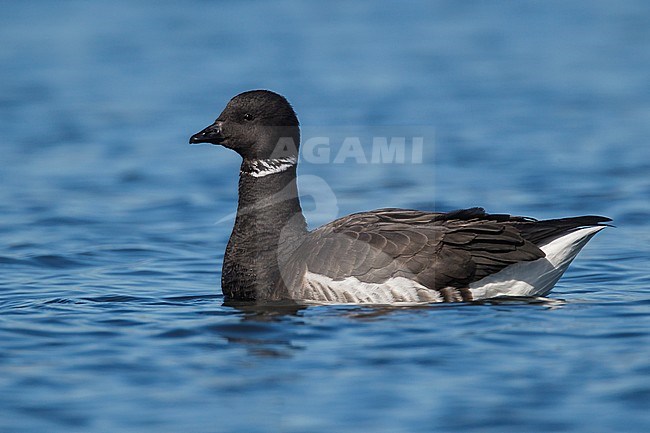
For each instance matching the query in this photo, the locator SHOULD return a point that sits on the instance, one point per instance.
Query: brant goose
(385, 256)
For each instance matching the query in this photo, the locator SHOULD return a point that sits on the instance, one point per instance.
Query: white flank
(264, 167)
(538, 277)
(325, 290)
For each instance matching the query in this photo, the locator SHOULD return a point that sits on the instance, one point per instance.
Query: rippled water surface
(113, 228)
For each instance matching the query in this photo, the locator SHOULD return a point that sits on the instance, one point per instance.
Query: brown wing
(439, 251)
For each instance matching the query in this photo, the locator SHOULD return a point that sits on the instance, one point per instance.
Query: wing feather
(436, 250)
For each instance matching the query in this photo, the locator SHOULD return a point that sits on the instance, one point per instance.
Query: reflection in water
(262, 328)
(522, 300)
(265, 312)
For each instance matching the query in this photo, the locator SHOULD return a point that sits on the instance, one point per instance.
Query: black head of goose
(385, 256)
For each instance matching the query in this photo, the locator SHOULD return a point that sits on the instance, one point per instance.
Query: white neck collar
(264, 167)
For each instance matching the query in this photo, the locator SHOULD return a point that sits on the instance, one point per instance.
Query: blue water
(113, 228)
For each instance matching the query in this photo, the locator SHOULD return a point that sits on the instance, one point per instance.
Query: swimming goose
(385, 256)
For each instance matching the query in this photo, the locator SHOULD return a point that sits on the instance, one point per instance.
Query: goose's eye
(248, 117)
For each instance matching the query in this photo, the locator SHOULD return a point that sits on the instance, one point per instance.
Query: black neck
(269, 226)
